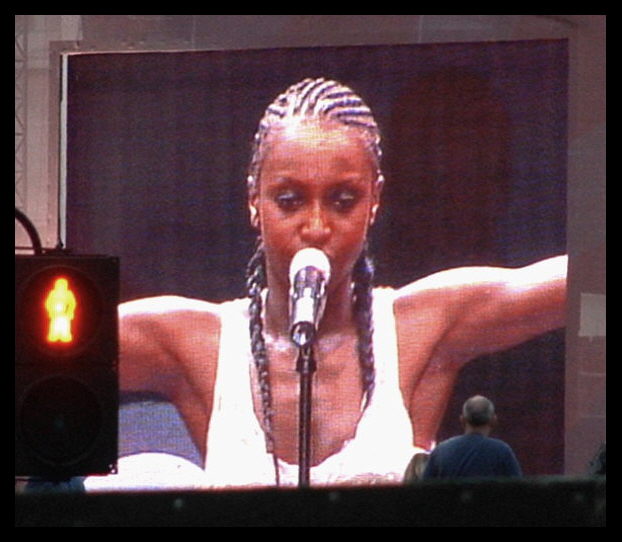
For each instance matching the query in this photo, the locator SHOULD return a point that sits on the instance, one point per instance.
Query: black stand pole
(306, 367)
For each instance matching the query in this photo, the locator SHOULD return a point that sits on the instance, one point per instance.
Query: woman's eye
(343, 200)
(288, 201)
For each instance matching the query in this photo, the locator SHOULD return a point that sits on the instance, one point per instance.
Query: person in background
(474, 453)
(598, 464)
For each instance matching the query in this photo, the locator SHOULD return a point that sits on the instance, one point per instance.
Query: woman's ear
(373, 213)
(377, 191)
(253, 211)
(253, 196)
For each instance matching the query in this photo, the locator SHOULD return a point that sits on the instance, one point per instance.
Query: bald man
(474, 453)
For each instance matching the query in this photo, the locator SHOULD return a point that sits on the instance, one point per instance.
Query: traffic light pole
(30, 230)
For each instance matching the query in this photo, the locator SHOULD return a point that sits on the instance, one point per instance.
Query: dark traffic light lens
(61, 419)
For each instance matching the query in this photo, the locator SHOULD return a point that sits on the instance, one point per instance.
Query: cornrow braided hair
(320, 99)
(327, 100)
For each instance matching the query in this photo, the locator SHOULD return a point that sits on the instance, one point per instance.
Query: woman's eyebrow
(345, 181)
(280, 183)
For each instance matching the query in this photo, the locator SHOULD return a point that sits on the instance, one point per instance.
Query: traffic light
(66, 354)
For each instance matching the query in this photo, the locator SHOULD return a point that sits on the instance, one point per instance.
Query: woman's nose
(316, 227)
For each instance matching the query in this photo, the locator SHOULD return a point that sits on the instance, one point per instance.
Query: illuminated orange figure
(60, 305)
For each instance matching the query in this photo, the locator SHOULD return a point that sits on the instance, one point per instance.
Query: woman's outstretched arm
(479, 310)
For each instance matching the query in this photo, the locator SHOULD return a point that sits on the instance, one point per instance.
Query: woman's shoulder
(167, 332)
(180, 315)
(169, 318)
(166, 305)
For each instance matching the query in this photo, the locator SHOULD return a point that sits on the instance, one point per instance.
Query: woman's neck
(337, 316)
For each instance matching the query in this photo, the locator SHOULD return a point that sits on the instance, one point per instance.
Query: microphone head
(309, 257)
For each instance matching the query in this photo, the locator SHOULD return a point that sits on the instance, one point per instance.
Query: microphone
(309, 273)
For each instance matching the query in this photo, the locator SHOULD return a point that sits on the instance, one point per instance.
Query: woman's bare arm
(455, 316)
(478, 310)
(169, 345)
(163, 337)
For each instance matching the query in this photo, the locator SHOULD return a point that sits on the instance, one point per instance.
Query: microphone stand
(306, 367)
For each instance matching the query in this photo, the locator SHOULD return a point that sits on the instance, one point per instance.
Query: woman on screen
(387, 359)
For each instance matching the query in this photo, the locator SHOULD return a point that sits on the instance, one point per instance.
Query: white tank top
(236, 448)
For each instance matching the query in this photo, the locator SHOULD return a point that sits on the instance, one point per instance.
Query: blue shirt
(472, 455)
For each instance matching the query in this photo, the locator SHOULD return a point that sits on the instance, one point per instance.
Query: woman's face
(316, 189)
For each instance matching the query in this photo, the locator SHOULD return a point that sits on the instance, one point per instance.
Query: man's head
(478, 414)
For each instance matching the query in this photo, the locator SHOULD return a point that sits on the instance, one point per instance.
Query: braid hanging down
(362, 298)
(320, 99)
(255, 284)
